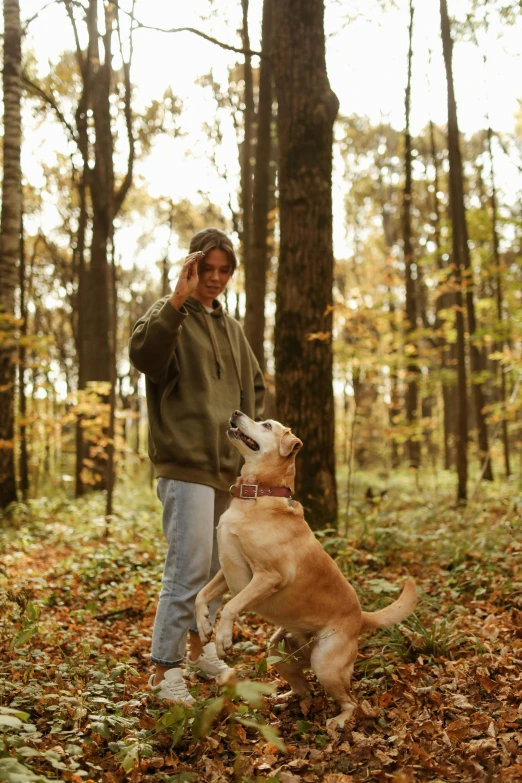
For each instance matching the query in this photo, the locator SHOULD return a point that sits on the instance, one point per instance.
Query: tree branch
(50, 101)
(228, 47)
(122, 192)
(505, 150)
(36, 15)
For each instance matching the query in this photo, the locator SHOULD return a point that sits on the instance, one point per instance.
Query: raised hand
(187, 280)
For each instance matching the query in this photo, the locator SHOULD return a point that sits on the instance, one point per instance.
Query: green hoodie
(199, 368)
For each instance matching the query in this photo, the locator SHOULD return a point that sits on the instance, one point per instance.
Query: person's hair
(211, 239)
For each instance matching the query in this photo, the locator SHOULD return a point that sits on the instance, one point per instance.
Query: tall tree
(498, 296)
(458, 211)
(255, 275)
(307, 108)
(460, 251)
(95, 139)
(409, 262)
(444, 300)
(246, 150)
(10, 243)
(23, 463)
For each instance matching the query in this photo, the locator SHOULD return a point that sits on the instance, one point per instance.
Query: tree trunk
(444, 301)
(11, 217)
(246, 154)
(459, 216)
(412, 403)
(390, 238)
(499, 299)
(96, 321)
(258, 257)
(303, 330)
(23, 463)
(460, 249)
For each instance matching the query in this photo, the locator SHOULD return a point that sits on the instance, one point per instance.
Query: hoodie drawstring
(217, 355)
(236, 365)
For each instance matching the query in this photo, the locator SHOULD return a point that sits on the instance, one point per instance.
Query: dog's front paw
(223, 640)
(339, 720)
(203, 623)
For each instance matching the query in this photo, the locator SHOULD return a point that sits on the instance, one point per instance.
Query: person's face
(214, 272)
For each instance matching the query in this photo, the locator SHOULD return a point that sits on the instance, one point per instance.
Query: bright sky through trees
(366, 53)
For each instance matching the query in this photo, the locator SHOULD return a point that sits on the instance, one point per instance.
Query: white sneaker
(208, 665)
(172, 687)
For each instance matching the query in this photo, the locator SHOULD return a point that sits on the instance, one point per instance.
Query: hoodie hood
(194, 306)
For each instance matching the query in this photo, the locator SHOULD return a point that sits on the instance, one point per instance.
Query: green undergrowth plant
(76, 613)
(18, 753)
(240, 703)
(406, 642)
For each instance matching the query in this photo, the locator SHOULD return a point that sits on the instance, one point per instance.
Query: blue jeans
(191, 514)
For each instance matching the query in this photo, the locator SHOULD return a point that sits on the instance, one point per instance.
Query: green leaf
(12, 771)
(33, 612)
(74, 750)
(175, 714)
(24, 636)
(209, 714)
(320, 740)
(19, 713)
(271, 735)
(304, 726)
(252, 692)
(10, 720)
(273, 659)
(28, 752)
(177, 734)
(128, 761)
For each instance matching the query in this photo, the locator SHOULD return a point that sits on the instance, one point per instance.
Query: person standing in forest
(199, 368)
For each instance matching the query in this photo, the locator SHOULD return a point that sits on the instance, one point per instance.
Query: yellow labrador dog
(272, 563)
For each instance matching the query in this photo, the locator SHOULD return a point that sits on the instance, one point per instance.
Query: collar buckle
(253, 487)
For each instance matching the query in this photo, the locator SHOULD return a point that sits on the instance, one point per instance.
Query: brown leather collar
(253, 491)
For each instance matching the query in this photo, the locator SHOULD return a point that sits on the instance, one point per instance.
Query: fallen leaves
(437, 698)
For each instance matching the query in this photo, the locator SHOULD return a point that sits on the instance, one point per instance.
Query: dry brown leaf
(487, 683)
(384, 758)
(462, 702)
(288, 777)
(480, 745)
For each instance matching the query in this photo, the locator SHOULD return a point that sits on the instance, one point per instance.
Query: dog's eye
(267, 425)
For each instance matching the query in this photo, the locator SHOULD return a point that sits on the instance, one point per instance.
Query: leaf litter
(439, 697)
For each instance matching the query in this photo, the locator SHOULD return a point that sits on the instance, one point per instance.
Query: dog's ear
(289, 444)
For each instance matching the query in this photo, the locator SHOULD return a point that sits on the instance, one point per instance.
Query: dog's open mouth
(235, 433)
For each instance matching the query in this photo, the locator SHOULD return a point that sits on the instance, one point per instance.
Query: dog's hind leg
(332, 660)
(294, 656)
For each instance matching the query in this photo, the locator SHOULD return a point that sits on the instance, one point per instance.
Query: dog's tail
(395, 612)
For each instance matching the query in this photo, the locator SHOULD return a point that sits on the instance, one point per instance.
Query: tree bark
(307, 110)
(23, 463)
(444, 301)
(499, 298)
(460, 249)
(11, 217)
(412, 402)
(96, 322)
(459, 220)
(255, 283)
(246, 155)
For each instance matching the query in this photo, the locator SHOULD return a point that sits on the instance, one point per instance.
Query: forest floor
(439, 696)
